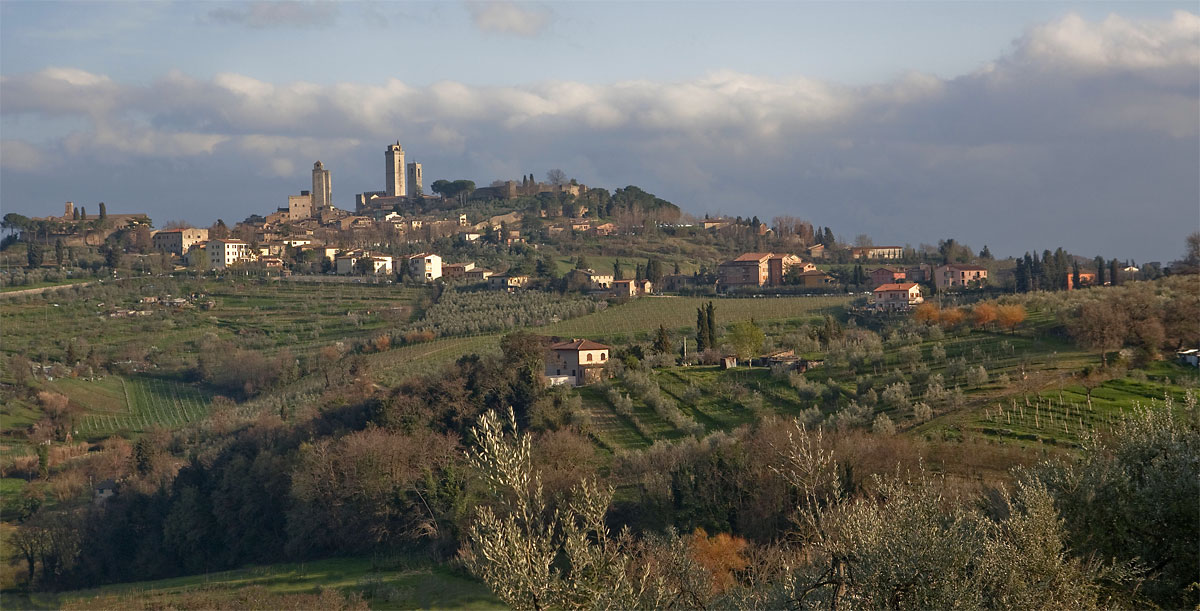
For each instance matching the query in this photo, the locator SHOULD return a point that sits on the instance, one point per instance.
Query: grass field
(384, 585)
(258, 315)
(635, 319)
(643, 316)
(132, 404)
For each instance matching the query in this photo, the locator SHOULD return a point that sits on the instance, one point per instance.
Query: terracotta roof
(753, 256)
(895, 287)
(579, 344)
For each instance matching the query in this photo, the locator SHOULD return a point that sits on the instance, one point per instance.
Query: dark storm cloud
(1084, 136)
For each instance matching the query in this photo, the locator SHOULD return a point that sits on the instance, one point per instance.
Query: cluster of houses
(760, 269)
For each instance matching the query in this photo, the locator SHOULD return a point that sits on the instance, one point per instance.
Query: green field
(132, 404)
(644, 315)
(637, 318)
(384, 584)
(265, 316)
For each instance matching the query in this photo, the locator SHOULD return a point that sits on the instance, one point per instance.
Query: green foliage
(746, 338)
(1131, 498)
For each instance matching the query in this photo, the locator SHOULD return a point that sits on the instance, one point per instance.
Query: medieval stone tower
(415, 182)
(394, 178)
(322, 188)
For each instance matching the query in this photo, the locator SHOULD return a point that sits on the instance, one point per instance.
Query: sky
(1022, 126)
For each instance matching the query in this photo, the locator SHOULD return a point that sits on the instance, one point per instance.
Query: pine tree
(985, 253)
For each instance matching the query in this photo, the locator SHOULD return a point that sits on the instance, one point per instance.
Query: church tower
(322, 188)
(394, 182)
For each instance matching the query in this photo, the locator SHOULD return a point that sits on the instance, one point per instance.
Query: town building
(631, 288)
(224, 253)
(815, 278)
(300, 207)
(477, 274)
(178, 241)
(760, 269)
(750, 269)
(577, 362)
(505, 282)
(426, 266)
(962, 276)
(887, 275)
(897, 296)
(452, 271)
(877, 252)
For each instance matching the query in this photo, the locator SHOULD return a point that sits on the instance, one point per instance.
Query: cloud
(1086, 126)
(1116, 42)
(20, 155)
(515, 18)
(283, 14)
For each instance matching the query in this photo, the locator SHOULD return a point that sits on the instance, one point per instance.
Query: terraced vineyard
(132, 404)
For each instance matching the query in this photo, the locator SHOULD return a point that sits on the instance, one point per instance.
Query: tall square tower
(322, 187)
(415, 183)
(394, 172)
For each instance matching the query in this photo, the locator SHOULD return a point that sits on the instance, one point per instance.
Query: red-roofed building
(759, 269)
(887, 275)
(576, 362)
(898, 296)
(963, 276)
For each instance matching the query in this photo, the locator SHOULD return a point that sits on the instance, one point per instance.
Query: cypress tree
(1021, 275)
(1114, 271)
(712, 325)
(1099, 270)
(1075, 275)
(702, 337)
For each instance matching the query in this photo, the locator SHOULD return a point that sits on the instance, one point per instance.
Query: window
(589, 357)
(603, 355)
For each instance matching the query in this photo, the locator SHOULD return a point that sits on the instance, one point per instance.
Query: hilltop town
(364, 391)
(509, 235)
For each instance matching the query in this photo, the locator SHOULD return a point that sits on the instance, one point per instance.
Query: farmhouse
(508, 283)
(886, 275)
(577, 362)
(947, 276)
(897, 296)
